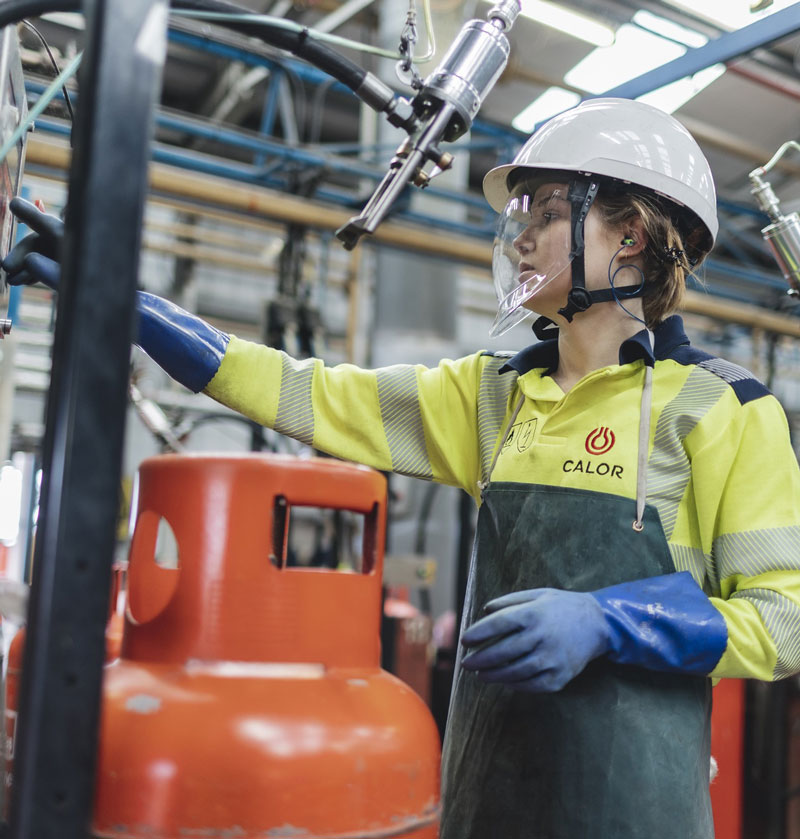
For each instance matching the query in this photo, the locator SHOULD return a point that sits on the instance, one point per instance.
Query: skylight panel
(568, 21)
(635, 51)
(670, 97)
(553, 101)
(669, 29)
(646, 43)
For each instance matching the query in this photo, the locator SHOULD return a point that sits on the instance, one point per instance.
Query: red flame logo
(600, 440)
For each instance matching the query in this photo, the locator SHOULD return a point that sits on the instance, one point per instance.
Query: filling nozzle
(783, 234)
(765, 196)
(504, 13)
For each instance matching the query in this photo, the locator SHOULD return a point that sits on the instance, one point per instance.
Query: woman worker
(639, 500)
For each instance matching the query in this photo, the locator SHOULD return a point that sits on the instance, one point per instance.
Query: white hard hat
(622, 139)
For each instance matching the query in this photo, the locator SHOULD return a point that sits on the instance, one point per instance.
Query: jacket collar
(669, 335)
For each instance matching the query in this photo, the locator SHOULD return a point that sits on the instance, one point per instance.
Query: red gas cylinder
(248, 701)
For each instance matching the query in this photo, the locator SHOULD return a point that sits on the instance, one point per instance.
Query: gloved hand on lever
(538, 640)
(186, 347)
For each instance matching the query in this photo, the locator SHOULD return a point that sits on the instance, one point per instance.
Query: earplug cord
(626, 242)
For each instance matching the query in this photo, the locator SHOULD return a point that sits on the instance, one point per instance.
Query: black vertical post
(82, 453)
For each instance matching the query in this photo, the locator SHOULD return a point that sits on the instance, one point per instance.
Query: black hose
(301, 44)
(13, 11)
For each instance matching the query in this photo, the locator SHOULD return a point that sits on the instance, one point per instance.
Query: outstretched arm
(407, 419)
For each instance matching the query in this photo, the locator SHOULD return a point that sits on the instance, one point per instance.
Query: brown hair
(676, 244)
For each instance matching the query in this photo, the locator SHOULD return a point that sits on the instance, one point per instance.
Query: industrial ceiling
(216, 80)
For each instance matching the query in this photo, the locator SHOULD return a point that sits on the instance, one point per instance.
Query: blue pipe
(270, 107)
(230, 136)
(295, 155)
(749, 275)
(728, 235)
(359, 148)
(247, 173)
(306, 72)
(737, 209)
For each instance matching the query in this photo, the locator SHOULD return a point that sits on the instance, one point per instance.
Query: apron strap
(644, 439)
(509, 425)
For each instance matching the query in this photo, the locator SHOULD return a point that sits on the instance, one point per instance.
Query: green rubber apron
(621, 752)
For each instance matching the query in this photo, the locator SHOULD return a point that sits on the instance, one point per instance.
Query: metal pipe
(745, 315)
(765, 80)
(246, 173)
(278, 206)
(238, 139)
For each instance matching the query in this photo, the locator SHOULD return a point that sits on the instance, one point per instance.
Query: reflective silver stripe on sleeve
(781, 616)
(692, 560)
(668, 471)
(493, 393)
(726, 370)
(755, 552)
(398, 395)
(295, 416)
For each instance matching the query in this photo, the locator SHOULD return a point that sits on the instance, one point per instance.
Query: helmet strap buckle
(578, 300)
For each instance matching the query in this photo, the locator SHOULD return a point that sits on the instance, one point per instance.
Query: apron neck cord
(509, 425)
(644, 440)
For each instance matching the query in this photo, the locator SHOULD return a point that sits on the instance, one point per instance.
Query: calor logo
(600, 440)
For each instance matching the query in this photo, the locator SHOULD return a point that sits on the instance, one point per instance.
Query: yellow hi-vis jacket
(721, 470)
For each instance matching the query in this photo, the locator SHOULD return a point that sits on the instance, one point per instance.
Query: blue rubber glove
(539, 640)
(186, 347)
(48, 232)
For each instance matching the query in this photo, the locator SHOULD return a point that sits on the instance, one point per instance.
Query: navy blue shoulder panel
(745, 385)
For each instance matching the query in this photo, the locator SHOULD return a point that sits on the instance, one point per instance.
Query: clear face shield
(531, 249)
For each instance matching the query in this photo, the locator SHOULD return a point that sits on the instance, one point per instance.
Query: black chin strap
(581, 195)
(544, 328)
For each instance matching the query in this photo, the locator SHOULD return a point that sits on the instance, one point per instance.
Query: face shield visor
(532, 248)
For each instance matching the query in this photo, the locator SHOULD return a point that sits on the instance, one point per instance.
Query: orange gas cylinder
(116, 611)
(248, 700)
(13, 674)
